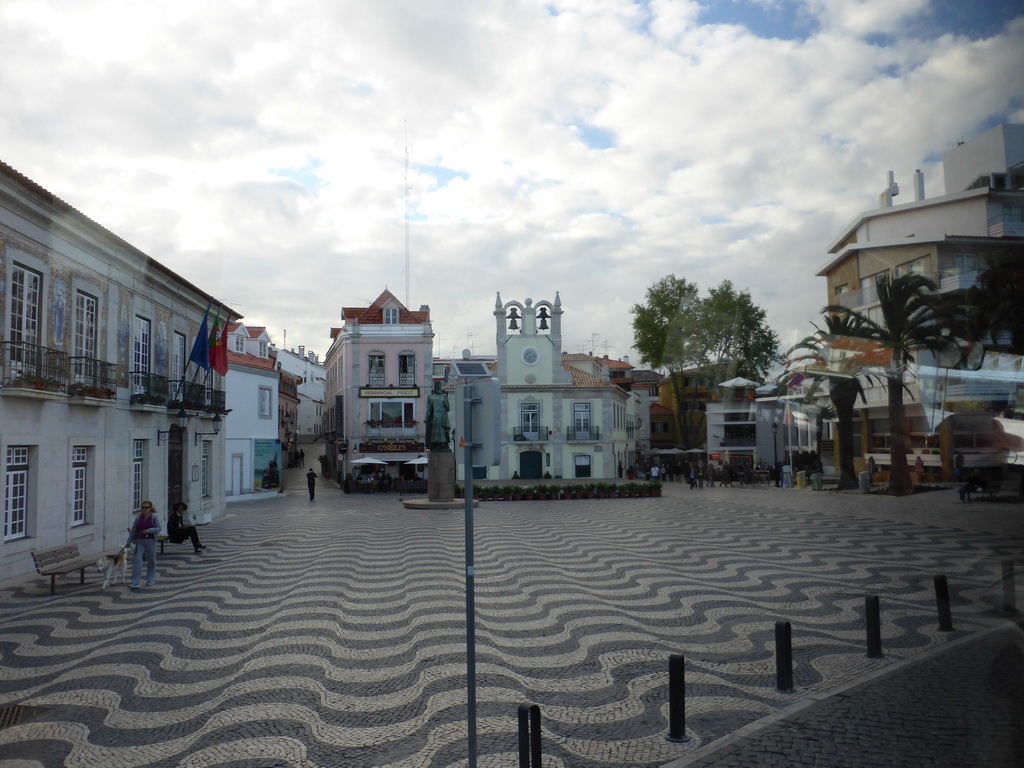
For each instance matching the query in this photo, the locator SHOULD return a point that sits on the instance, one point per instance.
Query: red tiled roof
(250, 361)
(584, 379)
(374, 314)
(657, 409)
(255, 331)
(232, 327)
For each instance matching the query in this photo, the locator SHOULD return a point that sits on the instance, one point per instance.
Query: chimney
(302, 350)
(918, 185)
(891, 190)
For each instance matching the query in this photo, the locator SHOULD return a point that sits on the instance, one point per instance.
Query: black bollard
(1009, 589)
(783, 656)
(873, 621)
(942, 601)
(529, 736)
(677, 699)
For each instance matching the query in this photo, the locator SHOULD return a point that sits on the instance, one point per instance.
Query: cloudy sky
(585, 146)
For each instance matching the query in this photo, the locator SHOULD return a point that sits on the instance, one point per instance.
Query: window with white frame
(85, 325)
(138, 473)
(141, 344)
(178, 361)
(16, 493)
(376, 371)
(239, 343)
(391, 412)
(263, 403)
(204, 469)
(263, 349)
(79, 484)
(407, 370)
(25, 292)
(391, 316)
(581, 464)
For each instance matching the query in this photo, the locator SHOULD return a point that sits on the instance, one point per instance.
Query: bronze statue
(438, 428)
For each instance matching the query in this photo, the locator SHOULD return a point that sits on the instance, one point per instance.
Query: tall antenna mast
(406, 124)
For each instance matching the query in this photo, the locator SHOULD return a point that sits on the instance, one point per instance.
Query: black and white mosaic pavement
(331, 633)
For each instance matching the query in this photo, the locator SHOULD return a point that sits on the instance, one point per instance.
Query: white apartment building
(99, 409)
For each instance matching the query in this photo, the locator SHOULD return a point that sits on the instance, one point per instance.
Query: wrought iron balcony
(92, 378)
(582, 433)
(216, 401)
(149, 388)
(407, 379)
(376, 380)
(31, 366)
(534, 433)
(187, 394)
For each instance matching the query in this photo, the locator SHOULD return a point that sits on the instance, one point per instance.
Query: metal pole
(470, 576)
(1009, 589)
(942, 602)
(872, 618)
(783, 656)
(677, 699)
(529, 736)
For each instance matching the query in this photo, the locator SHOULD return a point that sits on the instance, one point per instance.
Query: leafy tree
(843, 388)
(720, 336)
(995, 306)
(909, 321)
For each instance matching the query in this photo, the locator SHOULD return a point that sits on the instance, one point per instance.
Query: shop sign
(396, 446)
(389, 391)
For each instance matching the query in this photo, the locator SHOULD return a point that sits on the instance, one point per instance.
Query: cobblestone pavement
(331, 633)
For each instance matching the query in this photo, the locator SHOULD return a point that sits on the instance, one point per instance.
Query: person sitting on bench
(975, 484)
(177, 531)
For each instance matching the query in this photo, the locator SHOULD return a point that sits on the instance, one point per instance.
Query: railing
(30, 366)
(216, 401)
(407, 379)
(390, 429)
(187, 394)
(92, 378)
(375, 380)
(582, 433)
(149, 388)
(534, 433)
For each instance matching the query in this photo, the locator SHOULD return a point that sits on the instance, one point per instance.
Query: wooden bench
(61, 560)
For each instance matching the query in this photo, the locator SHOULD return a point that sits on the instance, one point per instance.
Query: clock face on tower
(530, 356)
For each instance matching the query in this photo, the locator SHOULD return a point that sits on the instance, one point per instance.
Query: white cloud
(261, 152)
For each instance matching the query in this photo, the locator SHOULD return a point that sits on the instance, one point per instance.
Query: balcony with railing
(1006, 225)
(582, 433)
(149, 388)
(532, 433)
(92, 378)
(375, 379)
(389, 428)
(407, 379)
(33, 368)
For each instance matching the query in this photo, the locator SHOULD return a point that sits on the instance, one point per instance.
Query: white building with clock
(560, 419)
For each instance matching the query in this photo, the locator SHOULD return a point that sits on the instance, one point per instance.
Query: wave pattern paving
(334, 635)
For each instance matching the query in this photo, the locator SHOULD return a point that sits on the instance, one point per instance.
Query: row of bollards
(529, 714)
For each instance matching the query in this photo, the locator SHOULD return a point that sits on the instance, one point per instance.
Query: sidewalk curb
(709, 751)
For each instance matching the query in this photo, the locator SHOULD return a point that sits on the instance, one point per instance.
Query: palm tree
(843, 387)
(909, 321)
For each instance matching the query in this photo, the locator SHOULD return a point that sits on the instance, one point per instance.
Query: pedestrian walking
(177, 531)
(311, 482)
(655, 472)
(302, 457)
(143, 534)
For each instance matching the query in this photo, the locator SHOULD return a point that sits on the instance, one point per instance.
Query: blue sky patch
(784, 20)
(594, 137)
(306, 176)
(439, 172)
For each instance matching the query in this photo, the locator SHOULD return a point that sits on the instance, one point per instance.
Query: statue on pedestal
(438, 434)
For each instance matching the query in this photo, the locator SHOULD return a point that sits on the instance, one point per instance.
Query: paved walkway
(330, 633)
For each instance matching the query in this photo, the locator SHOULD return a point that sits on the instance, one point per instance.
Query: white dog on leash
(111, 566)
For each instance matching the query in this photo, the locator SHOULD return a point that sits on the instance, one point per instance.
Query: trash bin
(816, 481)
(801, 479)
(864, 482)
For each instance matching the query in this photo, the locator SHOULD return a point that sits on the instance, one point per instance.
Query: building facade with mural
(99, 405)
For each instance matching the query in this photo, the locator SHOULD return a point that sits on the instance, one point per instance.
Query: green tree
(719, 336)
(843, 388)
(910, 321)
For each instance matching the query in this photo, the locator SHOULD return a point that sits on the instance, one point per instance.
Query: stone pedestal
(440, 476)
(440, 484)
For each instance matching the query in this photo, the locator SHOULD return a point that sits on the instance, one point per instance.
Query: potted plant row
(543, 492)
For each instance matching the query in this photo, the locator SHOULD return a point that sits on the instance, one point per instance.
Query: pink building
(378, 379)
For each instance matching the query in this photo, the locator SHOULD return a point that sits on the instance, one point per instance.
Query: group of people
(144, 534)
(700, 474)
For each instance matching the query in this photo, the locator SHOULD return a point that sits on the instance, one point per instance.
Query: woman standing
(143, 532)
